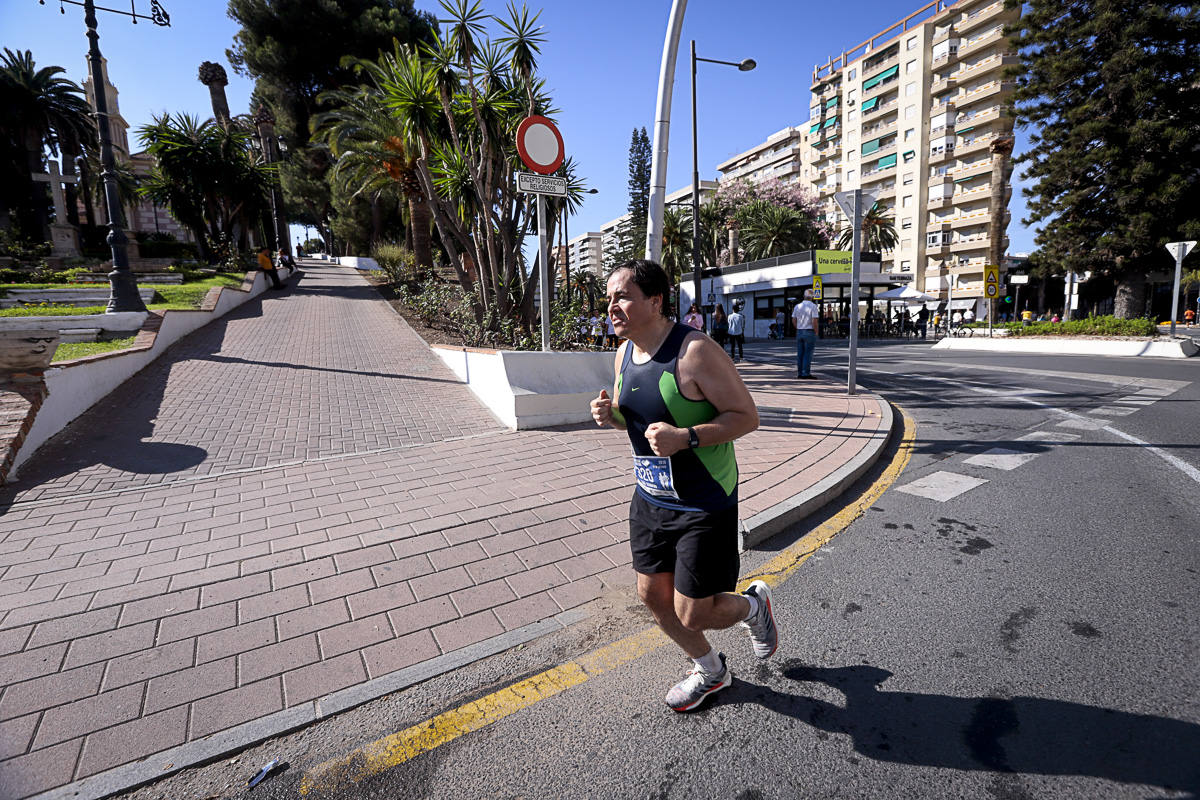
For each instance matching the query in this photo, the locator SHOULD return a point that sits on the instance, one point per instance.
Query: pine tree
(1110, 89)
(633, 231)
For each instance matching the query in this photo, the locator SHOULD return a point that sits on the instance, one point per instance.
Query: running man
(682, 402)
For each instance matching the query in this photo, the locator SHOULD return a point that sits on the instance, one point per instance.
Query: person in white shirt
(968, 316)
(737, 334)
(806, 318)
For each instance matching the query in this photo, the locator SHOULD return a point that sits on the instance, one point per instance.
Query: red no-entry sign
(540, 145)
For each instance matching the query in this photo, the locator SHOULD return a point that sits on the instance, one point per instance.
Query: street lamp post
(744, 65)
(123, 294)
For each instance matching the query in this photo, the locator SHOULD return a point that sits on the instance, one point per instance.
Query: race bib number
(653, 474)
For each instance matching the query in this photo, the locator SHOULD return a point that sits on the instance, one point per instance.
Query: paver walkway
(332, 507)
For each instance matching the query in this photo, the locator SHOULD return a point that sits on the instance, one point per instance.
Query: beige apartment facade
(917, 114)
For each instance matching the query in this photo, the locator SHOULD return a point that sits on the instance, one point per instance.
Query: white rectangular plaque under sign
(541, 184)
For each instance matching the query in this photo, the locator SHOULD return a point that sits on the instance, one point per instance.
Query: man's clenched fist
(602, 409)
(666, 440)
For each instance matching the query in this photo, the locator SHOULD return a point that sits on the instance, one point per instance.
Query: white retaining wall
(76, 386)
(358, 262)
(1075, 346)
(532, 389)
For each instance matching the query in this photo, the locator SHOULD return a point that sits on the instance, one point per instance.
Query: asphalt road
(1015, 617)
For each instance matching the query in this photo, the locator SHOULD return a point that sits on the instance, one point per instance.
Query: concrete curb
(211, 748)
(1074, 346)
(766, 524)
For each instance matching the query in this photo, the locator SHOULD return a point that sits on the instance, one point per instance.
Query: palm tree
(768, 230)
(676, 242)
(40, 110)
(372, 152)
(878, 233)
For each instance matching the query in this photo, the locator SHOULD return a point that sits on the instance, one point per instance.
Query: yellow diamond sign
(818, 288)
(991, 281)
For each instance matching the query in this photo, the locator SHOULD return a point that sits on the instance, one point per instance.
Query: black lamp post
(744, 65)
(123, 295)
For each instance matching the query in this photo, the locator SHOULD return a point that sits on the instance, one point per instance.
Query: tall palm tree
(768, 230)
(676, 242)
(878, 233)
(373, 153)
(41, 110)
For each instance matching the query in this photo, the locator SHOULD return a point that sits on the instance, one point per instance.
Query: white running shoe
(763, 633)
(690, 692)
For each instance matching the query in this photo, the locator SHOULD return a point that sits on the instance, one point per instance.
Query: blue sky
(600, 61)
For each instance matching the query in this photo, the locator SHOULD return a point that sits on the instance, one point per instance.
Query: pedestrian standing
(611, 335)
(720, 326)
(923, 320)
(779, 331)
(682, 406)
(694, 318)
(804, 316)
(737, 334)
(268, 266)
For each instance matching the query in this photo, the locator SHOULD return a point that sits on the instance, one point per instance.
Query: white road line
(1113, 411)
(941, 486)
(1049, 437)
(1082, 423)
(1001, 458)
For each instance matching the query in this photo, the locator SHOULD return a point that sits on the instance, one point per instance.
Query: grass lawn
(70, 350)
(183, 295)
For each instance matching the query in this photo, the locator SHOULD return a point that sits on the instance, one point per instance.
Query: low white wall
(532, 389)
(1074, 346)
(76, 387)
(358, 262)
(120, 322)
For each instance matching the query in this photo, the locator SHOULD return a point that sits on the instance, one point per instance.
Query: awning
(967, 130)
(833, 101)
(869, 104)
(828, 122)
(883, 76)
(962, 305)
(886, 161)
(871, 146)
(908, 153)
(816, 127)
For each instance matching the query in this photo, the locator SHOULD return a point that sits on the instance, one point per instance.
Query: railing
(920, 15)
(967, 116)
(881, 107)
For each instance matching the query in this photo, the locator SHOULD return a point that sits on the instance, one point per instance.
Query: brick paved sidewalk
(138, 614)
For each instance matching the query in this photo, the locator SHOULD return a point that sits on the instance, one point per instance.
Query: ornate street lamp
(124, 292)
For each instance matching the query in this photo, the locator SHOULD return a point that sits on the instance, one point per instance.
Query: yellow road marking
(393, 750)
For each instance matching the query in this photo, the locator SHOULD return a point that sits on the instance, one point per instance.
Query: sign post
(1017, 280)
(991, 290)
(540, 146)
(851, 204)
(1179, 250)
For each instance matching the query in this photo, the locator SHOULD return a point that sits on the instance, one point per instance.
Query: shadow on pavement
(1029, 735)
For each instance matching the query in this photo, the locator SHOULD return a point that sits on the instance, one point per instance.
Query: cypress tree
(633, 231)
(1110, 89)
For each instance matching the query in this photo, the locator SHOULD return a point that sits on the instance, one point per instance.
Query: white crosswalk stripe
(1001, 458)
(941, 485)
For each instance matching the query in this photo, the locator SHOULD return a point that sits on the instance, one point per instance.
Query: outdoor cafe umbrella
(906, 293)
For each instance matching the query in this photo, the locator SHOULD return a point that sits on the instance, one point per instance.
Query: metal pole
(123, 295)
(1017, 304)
(991, 313)
(949, 298)
(662, 128)
(544, 272)
(1175, 294)
(851, 382)
(696, 287)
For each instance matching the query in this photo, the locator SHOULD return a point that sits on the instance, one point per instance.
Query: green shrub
(397, 264)
(15, 246)
(1091, 326)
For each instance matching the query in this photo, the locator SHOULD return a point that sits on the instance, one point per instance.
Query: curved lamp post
(745, 65)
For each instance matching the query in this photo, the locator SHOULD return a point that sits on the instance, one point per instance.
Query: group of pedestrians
(724, 329)
(269, 266)
(597, 331)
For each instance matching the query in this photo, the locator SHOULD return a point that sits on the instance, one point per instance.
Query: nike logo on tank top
(704, 479)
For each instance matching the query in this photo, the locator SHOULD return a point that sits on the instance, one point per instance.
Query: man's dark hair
(650, 278)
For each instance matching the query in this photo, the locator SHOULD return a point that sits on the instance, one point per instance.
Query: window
(910, 67)
(906, 266)
(851, 115)
(911, 89)
(905, 244)
(852, 74)
(910, 112)
(909, 155)
(938, 239)
(906, 224)
(908, 179)
(908, 134)
(850, 95)
(912, 43)
(850, 175)
(906, 201)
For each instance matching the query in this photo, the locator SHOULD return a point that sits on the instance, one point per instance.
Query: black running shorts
(700, 547)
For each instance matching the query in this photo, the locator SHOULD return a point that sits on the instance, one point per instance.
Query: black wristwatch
(693, 438)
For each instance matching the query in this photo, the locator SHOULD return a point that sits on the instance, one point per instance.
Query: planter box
(527, 389)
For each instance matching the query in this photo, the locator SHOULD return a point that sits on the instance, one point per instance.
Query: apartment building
(917, 114)
(779, 157)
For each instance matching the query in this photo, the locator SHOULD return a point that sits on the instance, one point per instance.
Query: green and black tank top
(704, 479)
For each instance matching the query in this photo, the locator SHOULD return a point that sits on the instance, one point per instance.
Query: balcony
(985, 39)
(881, 87)
(970, 170)
(968, 245)
(979, 68)
(974, 145)
(942, 108)
(987, 91)
(938, 156)
(940, 201)
(942, 83)
(976, 117)
(873, 113)
(887, 190)
(881, 62)
(967, 220)
(879, 129)
(986, 14)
